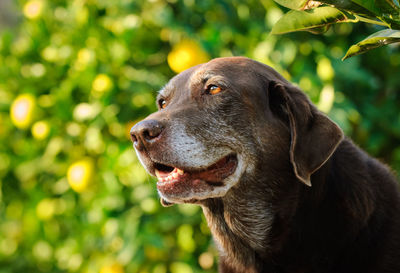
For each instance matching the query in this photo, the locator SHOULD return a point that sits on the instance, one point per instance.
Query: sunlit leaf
(293, 4)
(378, 39)
(308, 20)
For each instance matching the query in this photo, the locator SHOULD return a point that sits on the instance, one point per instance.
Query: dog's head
(222, 121)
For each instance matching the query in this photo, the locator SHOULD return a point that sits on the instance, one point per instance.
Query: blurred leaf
(388, 6)
(311, 19)
(378, 39)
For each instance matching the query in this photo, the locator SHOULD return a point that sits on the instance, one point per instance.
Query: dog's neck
(245, 220)
(230, 240)
(241, 224)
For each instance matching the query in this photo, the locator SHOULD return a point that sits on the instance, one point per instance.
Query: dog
(280, 186)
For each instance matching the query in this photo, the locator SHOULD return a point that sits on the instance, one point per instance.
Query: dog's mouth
(213, 174)
(172, 180)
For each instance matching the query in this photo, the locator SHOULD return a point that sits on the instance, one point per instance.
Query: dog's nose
(144, 132)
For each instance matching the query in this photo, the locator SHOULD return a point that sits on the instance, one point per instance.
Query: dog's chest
(251, 224)
(241, 231)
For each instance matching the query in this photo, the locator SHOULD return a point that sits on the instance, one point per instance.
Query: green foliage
(383, 37)
(318, 16)
(76, 75)
(318, 19)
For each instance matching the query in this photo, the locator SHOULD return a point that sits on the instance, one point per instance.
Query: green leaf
(380, 7)
(378, 39)
(350, 6)
(391, 21)
(319, 30)
(369, 5)
(296, 20)
(292, 4)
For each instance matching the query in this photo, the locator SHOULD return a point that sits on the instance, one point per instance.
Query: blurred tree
(74, 77)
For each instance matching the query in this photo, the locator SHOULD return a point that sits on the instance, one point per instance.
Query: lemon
(21, 111)
(45, 209)
(80, 174)
(40, 130)
(114, 268)
(33, 9)
(101, 84)
(185, 55)
(325, 70)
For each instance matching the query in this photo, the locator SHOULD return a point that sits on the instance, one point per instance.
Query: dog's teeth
(171, 176)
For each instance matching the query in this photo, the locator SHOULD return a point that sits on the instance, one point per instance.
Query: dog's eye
(162, 103)
(213, 89)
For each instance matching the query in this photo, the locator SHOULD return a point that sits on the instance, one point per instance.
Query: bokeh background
(75, 75)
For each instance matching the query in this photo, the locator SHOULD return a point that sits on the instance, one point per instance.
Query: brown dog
(281, 189)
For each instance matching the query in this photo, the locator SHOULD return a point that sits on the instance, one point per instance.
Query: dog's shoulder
(351, 216)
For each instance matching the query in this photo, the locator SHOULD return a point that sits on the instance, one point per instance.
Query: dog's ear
(314, 137)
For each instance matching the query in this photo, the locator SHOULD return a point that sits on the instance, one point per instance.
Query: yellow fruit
(114, 268)
(85, 56)
(325, 70)
(22, 110)
(326, 99)
(33, 9)
(40, 130)
(80, 174)
(102, 83)
(45, 209)
(206, 260)
(185, 55)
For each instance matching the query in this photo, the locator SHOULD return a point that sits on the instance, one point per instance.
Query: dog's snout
(145, 131)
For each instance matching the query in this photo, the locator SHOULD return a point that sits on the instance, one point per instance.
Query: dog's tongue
(213, 174)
